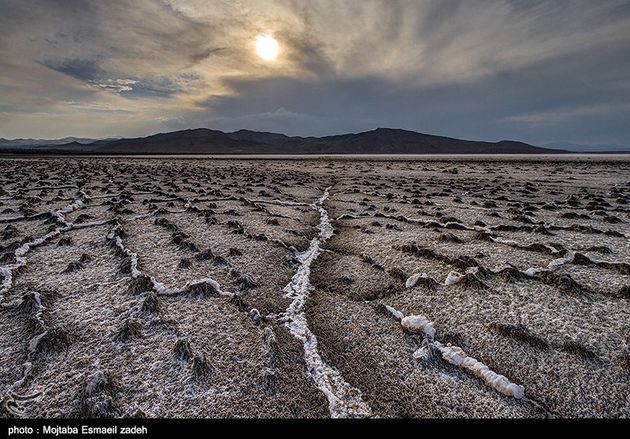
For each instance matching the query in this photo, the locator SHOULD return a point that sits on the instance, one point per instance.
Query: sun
(267, 47)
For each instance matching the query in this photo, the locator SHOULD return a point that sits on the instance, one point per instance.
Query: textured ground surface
(201, 288)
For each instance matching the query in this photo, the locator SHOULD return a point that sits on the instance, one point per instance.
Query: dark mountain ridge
(378, 141)
(208, 141)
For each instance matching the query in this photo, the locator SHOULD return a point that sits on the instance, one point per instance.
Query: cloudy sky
(531, 70)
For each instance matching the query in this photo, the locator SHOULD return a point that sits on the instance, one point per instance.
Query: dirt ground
(314, 288)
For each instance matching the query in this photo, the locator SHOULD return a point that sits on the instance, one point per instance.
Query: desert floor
(314, 288)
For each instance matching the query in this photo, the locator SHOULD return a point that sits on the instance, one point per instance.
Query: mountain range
(577, 147)
(45, 142)
(207, 141)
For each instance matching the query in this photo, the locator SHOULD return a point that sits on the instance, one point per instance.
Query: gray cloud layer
(537, 71)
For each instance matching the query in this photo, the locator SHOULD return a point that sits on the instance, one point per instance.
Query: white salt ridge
(413, 280)
(159, 287)
(452, 278)
(135, 272)
(39, 310)
(422, 353)
(32, 346)
(7, 280)
(406, 218)
(61, 214)
(25, 372)
(393, 311)
(20, 252)
(11, 399)
(456, 356)
(279, 202)
(347, 216)
(20, 259)
(567, 259)
(456, 223)
(418, 324)
(12, 218)
(561, 261)
(34, 342)
(344, 401)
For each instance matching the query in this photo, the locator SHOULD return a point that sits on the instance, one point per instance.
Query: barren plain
(314, 288)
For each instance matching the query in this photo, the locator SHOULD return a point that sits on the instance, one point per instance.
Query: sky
(530, 70)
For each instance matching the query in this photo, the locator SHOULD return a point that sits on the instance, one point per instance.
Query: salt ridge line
(344, 401)
(20, 252)
(12, 401)
(158, 287)
(419, 324)
(446, 225)
(278, 202)
(61, 214)
(456, 356)
(556, 263)
(114, 235)
(452, 278)
(455, 277)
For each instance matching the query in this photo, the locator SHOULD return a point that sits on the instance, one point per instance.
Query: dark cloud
(81, 69)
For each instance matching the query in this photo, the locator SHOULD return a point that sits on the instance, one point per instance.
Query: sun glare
(267, 47)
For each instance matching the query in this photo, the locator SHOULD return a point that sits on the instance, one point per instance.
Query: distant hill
(79, 145)
(599, 148)
(207, 141)
(45, 142)
(378, 141)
